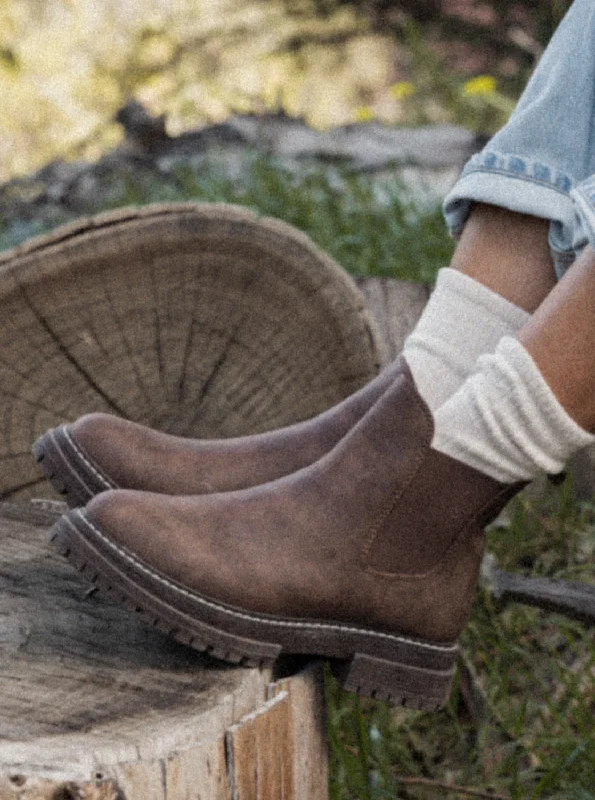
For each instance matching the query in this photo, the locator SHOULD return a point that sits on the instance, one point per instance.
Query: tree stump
(201, 320)
(95, 705)
(395, 307)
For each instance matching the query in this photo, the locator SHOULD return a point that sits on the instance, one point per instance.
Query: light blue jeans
(542, 162)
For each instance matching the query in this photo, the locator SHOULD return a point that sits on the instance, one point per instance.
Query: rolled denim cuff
(524, 186)
(583, 197)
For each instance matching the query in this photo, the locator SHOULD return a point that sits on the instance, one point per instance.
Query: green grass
(367, 230)
(536, 737)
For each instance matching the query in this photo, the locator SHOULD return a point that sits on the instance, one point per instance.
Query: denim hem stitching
(516, 167)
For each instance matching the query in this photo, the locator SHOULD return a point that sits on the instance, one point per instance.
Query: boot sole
(404, 670)
(68, 468)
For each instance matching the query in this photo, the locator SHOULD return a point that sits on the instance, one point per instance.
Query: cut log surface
(395, 307)
(72, 664)
(195, 319)
(95, 704)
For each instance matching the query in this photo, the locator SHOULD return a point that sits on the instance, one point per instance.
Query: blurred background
(68, 66)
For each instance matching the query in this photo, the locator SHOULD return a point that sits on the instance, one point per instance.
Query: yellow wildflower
(402, 89)
(481, 85)
(364, 114)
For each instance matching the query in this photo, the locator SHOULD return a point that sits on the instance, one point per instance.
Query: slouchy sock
(506, 422)
(462, 320)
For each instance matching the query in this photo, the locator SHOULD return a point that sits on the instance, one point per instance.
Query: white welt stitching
(80, 453)
(243, 615)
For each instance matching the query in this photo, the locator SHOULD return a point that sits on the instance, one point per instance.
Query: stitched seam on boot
(436, 568)
(374, 529)
(271, 620)
(372, 533)
(87, 461)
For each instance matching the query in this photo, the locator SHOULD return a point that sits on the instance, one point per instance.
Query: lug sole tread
(66, 472)
(400, 684)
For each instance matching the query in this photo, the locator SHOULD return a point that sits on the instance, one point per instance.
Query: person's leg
(508, 253)
(369, 556)
(531, 405)
(522, 190)
(501, 271)
(532, 165)
(560, 337)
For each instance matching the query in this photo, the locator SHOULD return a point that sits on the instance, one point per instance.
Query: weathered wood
(395, 306)
(18, 787)
(294, 714)
(259, 767)
(95, 704)
(195, 319)
(71, 664)
(307, 733)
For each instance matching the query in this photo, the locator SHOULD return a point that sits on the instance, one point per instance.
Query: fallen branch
(451, 788)
(575, 600)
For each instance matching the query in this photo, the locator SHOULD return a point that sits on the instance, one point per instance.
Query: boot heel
(401, 684)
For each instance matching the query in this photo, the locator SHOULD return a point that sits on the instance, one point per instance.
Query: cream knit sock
(462, 320)
(506, 422)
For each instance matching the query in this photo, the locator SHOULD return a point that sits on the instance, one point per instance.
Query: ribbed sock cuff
(554, 417)
(462, 320)
(492, 303)
(506, 421)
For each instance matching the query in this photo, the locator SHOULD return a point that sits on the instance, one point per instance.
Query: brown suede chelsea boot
(100, 452)
(369, 557)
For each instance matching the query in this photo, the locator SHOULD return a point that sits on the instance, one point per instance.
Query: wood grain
(307, 721)
(195, 319)
(395, 307)
(84, 682)
(95, 704)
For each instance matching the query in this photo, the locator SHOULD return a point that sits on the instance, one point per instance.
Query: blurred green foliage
(370, 228)
(67, 66)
